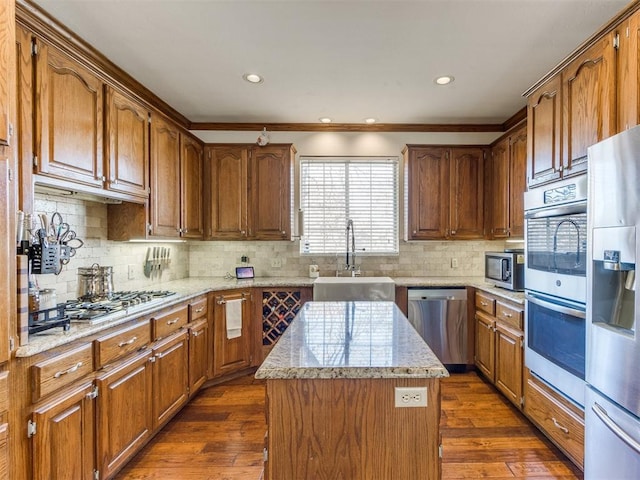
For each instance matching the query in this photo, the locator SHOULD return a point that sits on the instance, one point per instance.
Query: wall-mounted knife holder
(158, 259)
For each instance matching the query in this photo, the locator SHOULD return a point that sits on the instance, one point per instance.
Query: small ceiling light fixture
(370, 121)
(253, 78)
(444, 80)
(325, 120)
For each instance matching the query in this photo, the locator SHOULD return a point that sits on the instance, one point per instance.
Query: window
(363, 189)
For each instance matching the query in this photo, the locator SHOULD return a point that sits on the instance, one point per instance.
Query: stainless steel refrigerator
(612, 407)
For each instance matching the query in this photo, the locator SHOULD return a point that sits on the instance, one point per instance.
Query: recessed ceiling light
(253, 78)
(444, 80)
(325, 120)
(369, 120)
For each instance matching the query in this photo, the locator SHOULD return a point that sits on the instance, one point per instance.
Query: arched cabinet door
(69, 119)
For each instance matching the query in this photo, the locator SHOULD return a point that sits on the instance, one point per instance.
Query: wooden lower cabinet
(64, 442)
(231, 354)
(499, 353)
(124, 418)
(198, 354)
(4, 451)
(485, 345)
(350, 429)
(557, 417)
(170, 377)
(509, 345)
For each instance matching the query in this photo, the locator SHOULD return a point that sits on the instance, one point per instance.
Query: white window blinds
(363, 189)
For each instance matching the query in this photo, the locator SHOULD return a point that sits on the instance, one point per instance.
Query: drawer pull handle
(128, 342)
(558, 426)
(172, 322)
(196, 334)
(200, 310)
(484, 304)
(69, 370)
(507, 315)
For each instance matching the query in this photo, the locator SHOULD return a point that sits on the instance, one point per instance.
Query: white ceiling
(347, 60)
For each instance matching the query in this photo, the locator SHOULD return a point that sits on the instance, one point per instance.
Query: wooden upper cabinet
(226, 178)
(165, 178)
(505, 184)
(248, 192)
(588, 103)
(445, 192)
(544, 124)
(69, 119)
(270, 192)
(7, 42)
(517, 181)
(466, 212)
(498, 194)
(427, 170)
(628, 73)
(23, 126)
(191, 166)
(127, 146)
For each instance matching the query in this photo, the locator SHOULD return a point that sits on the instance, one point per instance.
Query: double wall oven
(555, 285)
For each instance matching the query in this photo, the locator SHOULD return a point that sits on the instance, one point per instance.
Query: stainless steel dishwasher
(440, 317)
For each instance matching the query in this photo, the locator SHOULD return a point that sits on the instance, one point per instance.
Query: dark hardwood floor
(219, 436)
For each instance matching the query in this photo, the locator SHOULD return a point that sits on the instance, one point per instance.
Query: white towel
(234, 318)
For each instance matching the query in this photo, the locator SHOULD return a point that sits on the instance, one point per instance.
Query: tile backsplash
(432, 258)
(215, 259)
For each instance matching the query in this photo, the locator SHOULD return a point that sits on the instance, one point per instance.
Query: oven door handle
(615, 428)
(557, 211)
(574, 312)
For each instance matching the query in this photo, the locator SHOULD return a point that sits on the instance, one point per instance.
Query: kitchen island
(333, 405)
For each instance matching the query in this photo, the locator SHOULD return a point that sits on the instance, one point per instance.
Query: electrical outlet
(454, 263)
(244, 259)
(276, 262)
(131, 272)
(411, 397)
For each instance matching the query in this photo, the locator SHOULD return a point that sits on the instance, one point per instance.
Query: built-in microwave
(505, 269)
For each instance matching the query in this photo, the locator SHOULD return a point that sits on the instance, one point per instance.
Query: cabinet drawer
(561, 421)
(485, 303)
(169, 322)
(197, 309)
(121, 342)
(511, 315)
(61, 370)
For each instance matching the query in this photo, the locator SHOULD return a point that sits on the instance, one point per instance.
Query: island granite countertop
(351, 340)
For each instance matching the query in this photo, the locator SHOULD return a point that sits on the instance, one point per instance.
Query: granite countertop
(188, 288)
(476, 282)
(351, 340)
(185, 289)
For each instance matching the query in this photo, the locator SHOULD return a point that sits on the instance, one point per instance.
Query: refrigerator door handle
(614, 427)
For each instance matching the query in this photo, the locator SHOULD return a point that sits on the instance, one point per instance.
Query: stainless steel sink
(326, 289)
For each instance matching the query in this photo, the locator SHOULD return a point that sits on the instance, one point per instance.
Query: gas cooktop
(118, 305)
(126, 302)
